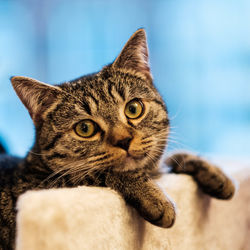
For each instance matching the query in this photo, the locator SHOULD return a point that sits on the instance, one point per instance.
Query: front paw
(156, 208)
(166, 216)
(211, 179)
(145, 196)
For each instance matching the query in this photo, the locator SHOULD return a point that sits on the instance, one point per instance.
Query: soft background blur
(199, 52)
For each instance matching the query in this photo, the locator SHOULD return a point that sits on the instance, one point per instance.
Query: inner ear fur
(134, 55)
(35, 95)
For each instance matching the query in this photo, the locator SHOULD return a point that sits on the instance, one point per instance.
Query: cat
(105, 129)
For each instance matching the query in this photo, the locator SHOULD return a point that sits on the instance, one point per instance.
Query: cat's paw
(155, 207)
(145, 196)
(158, 212)
(167, 216)
(210, 178)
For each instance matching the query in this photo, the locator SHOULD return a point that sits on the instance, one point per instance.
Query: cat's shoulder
(8, 162)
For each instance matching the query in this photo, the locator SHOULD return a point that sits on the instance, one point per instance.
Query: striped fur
(209, 177)
(122, 154)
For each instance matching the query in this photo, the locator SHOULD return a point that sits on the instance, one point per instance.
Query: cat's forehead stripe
(103, 97)
(94, 99)
(86, 107)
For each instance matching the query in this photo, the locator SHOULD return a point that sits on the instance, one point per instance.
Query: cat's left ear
(134, 55)
(36, 96)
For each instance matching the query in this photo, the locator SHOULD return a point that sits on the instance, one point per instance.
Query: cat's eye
(86, 128)
(134, 109)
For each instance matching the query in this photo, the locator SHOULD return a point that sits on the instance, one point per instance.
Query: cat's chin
(129, 163)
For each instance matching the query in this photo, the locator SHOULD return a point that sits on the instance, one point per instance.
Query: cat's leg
(209, 177)
(143, 194)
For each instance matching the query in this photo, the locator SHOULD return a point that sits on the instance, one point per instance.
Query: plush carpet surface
(98, 218)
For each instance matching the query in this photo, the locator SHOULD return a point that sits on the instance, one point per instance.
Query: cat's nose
(124, 143)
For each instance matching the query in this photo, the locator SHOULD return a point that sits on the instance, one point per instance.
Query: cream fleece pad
(98, 218)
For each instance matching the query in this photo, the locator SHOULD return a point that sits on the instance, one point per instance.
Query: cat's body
(18, 176)
(105, 129)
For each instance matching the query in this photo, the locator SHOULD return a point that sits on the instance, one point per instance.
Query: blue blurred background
(199, 52)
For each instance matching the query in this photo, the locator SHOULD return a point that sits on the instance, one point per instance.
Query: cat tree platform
(98, 218)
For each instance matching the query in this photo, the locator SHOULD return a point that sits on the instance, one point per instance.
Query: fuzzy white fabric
(98, 218)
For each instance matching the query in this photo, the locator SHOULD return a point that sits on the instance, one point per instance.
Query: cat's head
(112, 119)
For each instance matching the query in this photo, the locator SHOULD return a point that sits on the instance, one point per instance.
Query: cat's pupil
(85, 127)
(132, 109)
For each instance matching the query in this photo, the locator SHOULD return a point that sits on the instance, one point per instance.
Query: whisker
(34, 153)
(177, 162)
(80, 168)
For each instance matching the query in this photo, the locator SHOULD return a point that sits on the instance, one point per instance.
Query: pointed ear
(36, 96)
(134, 55)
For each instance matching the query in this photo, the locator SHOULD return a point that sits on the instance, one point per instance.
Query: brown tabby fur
(122, 155)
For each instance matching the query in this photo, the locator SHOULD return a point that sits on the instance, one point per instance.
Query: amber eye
(86, 128)
(134, 109)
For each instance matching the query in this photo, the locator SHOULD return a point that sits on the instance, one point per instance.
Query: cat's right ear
(134, 55)
(36, 96)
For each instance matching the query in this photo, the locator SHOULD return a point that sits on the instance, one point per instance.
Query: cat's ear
(36, 96)
(134, 54)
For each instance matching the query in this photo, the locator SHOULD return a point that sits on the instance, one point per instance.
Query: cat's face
(113, 119)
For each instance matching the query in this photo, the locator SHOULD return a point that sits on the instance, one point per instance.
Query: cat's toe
(225, 190)
(167, 218)
(159, 212)
(228, 189)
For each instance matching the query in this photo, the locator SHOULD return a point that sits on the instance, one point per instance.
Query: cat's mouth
(128, 160)
(134, 157)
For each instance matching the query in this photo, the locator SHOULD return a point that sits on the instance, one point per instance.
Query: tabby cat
(106, 129)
